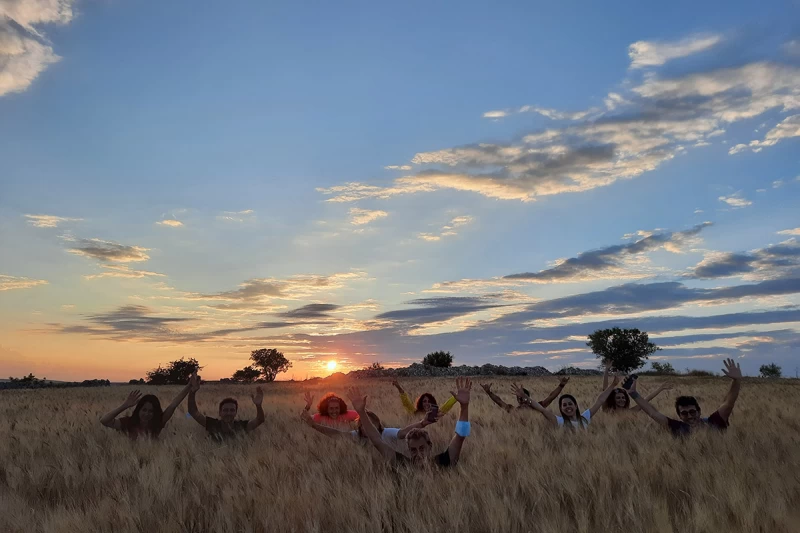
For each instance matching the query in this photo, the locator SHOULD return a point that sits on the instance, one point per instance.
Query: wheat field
(61, 471)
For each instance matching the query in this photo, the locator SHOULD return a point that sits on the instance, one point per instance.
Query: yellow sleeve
(407, 403)
(447, 405)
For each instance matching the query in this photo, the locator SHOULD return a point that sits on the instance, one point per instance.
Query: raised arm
(604, 396)
(605, 376)
(257, 398)
(556, 392)
(448, 405)
(194, 386)
(359, 402)
(463, 386)
(328, 431)
(651, 411)
(417, 425)
(663, 387)
(404, 398)
(733, 371)
(520, 392)
(495, 398)
(110, 420)
(170, 410)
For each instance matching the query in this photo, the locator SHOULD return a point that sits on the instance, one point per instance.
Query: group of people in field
(412, 444)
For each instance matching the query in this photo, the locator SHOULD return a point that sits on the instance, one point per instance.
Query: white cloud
(698, 211)
(24, 53)
(171, 223)
(429, 237)
(398, 167)
(8, 283)
(655, 53)
(106, 251)
(788, 128)
(736, 201)
(237, 216)
(795, 231)
(122, 271)
(552, 114)
(360, 217)
(495, 114)
(777, 184)
(448, 230)
(48, 221)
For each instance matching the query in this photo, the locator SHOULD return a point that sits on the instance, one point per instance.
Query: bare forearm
(192, 404)
(605, 377)
(464, 416)
(651, 411)
(259, 414)
(108, 418)
(405, 431)
(496, 399)
(553, 395)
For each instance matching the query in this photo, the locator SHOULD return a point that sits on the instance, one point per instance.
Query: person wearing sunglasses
(688, 409)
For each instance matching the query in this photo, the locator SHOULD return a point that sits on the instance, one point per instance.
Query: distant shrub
(439, 359)
(770, 371)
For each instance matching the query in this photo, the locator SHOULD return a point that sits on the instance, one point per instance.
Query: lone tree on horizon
(439, 359)
(770, 371)
(176, 373)
(623, 350)
(267, 364)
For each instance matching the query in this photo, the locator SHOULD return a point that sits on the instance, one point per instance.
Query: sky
(361, 183)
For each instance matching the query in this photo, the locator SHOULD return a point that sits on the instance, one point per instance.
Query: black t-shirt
(442, 459)
(680, 429)
(220, 431)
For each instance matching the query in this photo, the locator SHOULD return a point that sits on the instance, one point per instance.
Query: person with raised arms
(147, 419)
(521, 404)
(571, 417)
(620, 402)
(424, 403)
(420, 447)
(688, 409)
(394, 437)
(226, 426)
(331, 410)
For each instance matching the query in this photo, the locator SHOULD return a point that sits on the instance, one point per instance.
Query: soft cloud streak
(654, 53)
(8, 283)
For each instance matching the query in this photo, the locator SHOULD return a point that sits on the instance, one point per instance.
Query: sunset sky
(374, 181)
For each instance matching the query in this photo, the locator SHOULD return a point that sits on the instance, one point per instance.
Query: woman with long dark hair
(571, 417)
(424, 402)
(620, 402)
(147, 419)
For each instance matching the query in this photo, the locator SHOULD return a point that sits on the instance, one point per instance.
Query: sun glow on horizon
(331, 365)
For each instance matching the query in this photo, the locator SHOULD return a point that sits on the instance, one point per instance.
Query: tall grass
(61, 471)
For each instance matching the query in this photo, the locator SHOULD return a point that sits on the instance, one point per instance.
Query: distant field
(61, 471)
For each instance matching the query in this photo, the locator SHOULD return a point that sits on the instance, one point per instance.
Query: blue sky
(362, 183)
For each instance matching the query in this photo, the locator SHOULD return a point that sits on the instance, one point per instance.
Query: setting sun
(331, 365)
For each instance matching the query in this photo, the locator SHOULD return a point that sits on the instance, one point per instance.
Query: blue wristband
(462, 428)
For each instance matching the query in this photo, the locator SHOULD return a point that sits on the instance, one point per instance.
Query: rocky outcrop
(418, 370)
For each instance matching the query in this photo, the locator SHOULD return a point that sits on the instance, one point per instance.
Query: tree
(662, 368)
(246, 375)
(139, 381)
(770, 371)
(269, 363)
(440, 359)
(375, 366)
(176, 373)
(623, 349)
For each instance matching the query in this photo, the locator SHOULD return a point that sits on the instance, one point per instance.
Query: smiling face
(419, 449)
(227, 412)
(334, 408)
(568, 407)
(621, 399)
(688, 410)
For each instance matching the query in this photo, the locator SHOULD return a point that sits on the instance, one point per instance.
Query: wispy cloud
(448, 230)
(608, 262)
(780, 260)
(25, 51)
(237, 216)
(398, 167)
(552, 114)
(122, 271)
(656, 53)
(736, 201)
(105, 251)
(360, 217)
(8, 283)
(48, 221)
(795, 231)
(172, 223)
(788, 128)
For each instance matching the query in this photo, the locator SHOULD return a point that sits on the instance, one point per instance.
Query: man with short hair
(226, 426)
(419, 442)
(688, 409)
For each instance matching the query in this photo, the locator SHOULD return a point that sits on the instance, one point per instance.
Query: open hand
(519, 391)
(732, 369)
(464, 386)
(132, 399)
(487, 387)
(309, 400)
(194, 382)
(358, 399)
(258, 397)
(563, 381)
(632, 387)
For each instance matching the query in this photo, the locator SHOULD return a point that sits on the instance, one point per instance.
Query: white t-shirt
(587, 414)
(389, 436)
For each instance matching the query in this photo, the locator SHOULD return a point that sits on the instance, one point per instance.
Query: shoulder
(317, 417)
(587, 414)
(389, 433)
(717, 421)
(351, 415)
(677, 427)
(211, 422)
(560, 420)
(241, 424)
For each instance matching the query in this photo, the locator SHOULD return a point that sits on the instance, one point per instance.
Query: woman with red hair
(331, 410)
